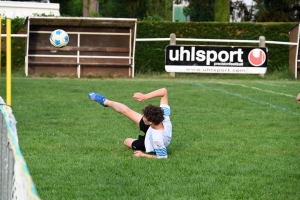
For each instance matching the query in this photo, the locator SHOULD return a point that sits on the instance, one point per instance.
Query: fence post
(172, 42)
(262, 43)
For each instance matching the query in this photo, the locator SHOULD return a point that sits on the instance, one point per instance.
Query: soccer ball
(59, 38)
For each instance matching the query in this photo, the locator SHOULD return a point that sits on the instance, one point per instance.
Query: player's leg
(128, 142)
(118, 107)
(136, 144)
(124, 110)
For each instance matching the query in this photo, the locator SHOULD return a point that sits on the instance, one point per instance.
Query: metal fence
(16, 182)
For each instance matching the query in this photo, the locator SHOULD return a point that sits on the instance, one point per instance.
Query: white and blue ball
(59, 38)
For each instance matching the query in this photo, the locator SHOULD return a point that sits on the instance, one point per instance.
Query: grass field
(232, 139)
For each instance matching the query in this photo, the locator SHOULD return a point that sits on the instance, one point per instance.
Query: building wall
(13, 9)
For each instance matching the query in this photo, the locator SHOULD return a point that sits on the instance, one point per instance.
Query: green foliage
(186, 11)
(70, 7)
(156, 10)
(277, 11)
(18, 53)
(17, 25)
(222, 11)
(202, 10)
(114, 8)
(160, 8)
(152, 18)
(18, 44)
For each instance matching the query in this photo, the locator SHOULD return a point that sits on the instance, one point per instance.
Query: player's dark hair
(153, 114)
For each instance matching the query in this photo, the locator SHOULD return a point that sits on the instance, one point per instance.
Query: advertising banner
(216, 59)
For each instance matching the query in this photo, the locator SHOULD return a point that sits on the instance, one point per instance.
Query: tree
(240, 12)
(142, 9)
(160, 8)
(90, 8)
(179, 1)
(277, 11)
(69, 7)
(201, 10)
(222, 10)
(124, 8)
(208, 10)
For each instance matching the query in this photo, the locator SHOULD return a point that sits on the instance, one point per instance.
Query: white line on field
(256, 88)
(245, 97)
(277, 85)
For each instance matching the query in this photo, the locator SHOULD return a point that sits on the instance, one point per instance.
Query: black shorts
(139, 144)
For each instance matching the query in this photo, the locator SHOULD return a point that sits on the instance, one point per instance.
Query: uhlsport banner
(216, 59)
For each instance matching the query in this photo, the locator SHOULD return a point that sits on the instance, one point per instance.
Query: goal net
(16, 182)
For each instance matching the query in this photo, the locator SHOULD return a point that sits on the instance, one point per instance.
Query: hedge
(150, 56)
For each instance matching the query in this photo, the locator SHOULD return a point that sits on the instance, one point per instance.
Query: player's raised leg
(118, 107)
(125, 110)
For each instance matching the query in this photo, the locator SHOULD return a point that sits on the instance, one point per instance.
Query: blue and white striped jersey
(158, 140)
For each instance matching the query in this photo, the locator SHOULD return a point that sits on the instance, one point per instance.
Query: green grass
(232, 139)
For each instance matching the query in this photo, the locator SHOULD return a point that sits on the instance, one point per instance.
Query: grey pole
(172, 42)
(262, 43)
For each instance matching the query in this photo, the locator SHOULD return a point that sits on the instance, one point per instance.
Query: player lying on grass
(154, 122)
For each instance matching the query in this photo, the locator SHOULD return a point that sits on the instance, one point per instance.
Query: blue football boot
(97, 97)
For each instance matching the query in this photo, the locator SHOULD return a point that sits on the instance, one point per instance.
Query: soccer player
(298, 98)
(154, 122)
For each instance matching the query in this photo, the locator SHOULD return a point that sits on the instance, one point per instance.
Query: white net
(21, 186)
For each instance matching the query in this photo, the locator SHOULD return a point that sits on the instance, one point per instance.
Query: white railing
(259, 41)
(213, 40)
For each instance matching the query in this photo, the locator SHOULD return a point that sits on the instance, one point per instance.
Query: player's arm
(298, 98)
(141, 154)
(162, 93)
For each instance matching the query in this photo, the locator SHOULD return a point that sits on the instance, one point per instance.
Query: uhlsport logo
(257, 57)
(216, 59)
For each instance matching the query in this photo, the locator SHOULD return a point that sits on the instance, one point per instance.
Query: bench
(96, 47)
(72, 56)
